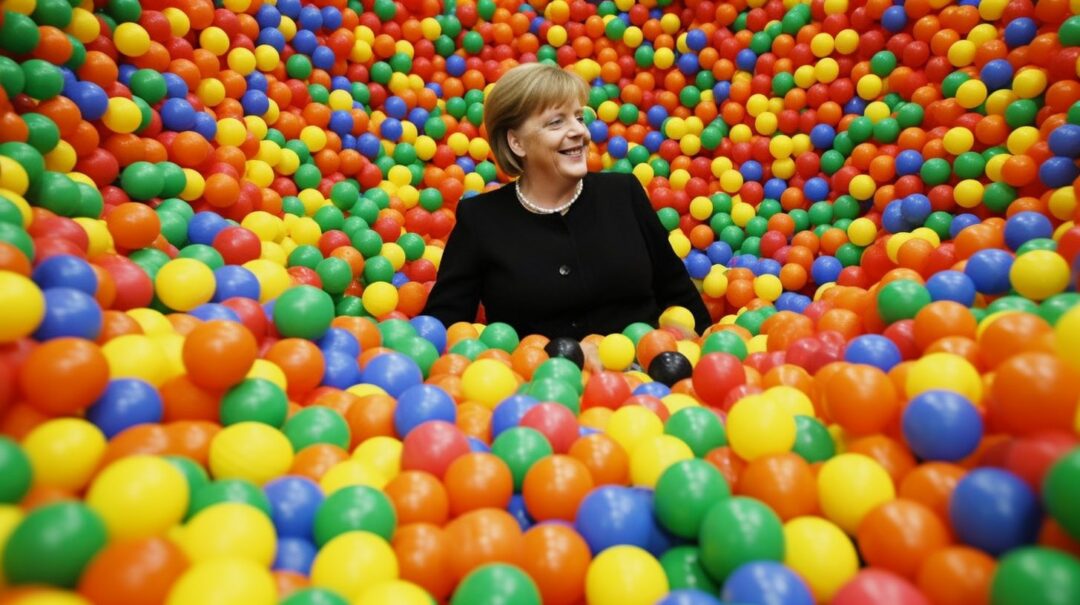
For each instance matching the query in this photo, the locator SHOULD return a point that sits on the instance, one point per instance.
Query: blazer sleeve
(456, 294)
(671, 282)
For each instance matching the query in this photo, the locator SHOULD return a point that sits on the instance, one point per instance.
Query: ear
(515, 142)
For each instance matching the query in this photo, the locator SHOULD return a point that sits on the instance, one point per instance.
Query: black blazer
(603, 265)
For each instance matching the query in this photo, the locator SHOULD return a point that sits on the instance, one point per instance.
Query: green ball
(812, 440)
(142, 180)
(174, 181)
(43, 134)
(378, 268)
(194, 473)
(26, 156)
(669, 218)
(10, 213)
(314, 596)
(882, 63)
(124, 10)
(201, 252)
(1061, 492)
(335, 273)
(725, 342)
(354, 508)
(1021, 113)
(860, 129)
(643, 56)
(685, 493)
(910, 115)
(831, 161)
(53, 544)
(502, 336)
(998, 196)
(1057, 305)
(91, 204)
(887, 130)
(682, 566)
(562, 369)
(12, 79)
(317, 424)
(736, 531)
(174, 228)
(228, 490)
(521, 447)
(497, 584)
(935, 171)
(395, 330)
(1036, 576)
(298, 66)
(19, 34)
(615, 29)
(472, 43)
(52, 12)
(689, 96)
(969, 165)
(901, 299)
(255, 400)
(305, 256)
(420, 350)
(469, 347)
(952, 83)
(558, 391)
(303, 312)
(56, 192)
(698, 428)
(821, 213)
(149, 85)
(15, 472)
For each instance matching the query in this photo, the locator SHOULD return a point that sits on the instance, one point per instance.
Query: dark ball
(670, 367)
(564, 346)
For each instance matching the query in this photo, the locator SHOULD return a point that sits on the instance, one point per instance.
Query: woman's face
(554, 143)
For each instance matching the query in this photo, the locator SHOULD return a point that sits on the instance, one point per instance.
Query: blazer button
(564, 270)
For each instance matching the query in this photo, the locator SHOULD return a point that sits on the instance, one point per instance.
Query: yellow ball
(314, 137)
(184, 283)
(241, 60)
(822, 45)
(652, 456)
(488, 382)
(229, 530)
(224, 582)
(131, 39)
(961, 53)
(715, 283)
(616, 352)
(768, 287)
(826, 70)
(1067, 341)
(380, 453)
(13, 176)
(821, 554)
(23, 304)
(1021, 139)
(971, 94)
(398, 592)
(380, 298)
(758, 426)
(869, 86)
(625, 575)
(86, 28)
(945, 371)
(633, 424)
(1029, 83)
(958, 140)
(679, 243)
(793, 400)
(850, 486)
(968, 193)
(862, 187)
(64, 452)
(139, 496)
(847, 41)
(557, 36)
(352, 472)
(1039, 274)
(215, 40)
(122, 115)
(352, 563)
(136, 356)
(252, 451)
(862, 231)
(273, 278)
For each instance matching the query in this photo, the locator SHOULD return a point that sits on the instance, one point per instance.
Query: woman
(560, 252)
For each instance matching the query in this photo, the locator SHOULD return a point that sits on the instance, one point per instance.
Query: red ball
(432, 446)
(555, 422)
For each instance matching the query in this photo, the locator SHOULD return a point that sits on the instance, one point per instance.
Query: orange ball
(418, 497)
(557, 558)
(861, 399)
(424, 553)
(606, 460)
(899, 535)
(64, 375)
(133, 572)
(478, 480)
(133, 225)
(218, 354)
(783, 481)
(555, 486)
(483, 536)
(956, 575)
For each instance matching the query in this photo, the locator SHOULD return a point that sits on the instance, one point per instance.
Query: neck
(548, 194)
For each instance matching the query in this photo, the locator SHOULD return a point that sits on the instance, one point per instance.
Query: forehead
(572, 106)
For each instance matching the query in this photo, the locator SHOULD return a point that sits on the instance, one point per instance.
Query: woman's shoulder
(610, 179)
(484, 203)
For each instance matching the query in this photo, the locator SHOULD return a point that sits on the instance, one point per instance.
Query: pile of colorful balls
(219, 223)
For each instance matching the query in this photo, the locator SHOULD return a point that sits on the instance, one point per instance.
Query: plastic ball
(224, 581)
(53, 544)
(64, 452)
(850, 486)
(354, 562)
(766, 581)
(1039, 274)
(26, 305)
(1024, 575)
(820, 553)
(685, 492)
(736, 531)
(250, 450)
(496, 583)
(625, 575)
(996, 498)
(303, 312)
(758, 426)
(139, 496)
(488, 382)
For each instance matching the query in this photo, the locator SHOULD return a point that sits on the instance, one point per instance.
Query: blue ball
(509, 412)
(768, 266)
(420, 404)
(210, 311)
(341, 122)
(1026, 226)
(393, 372)
(205, 125)
(994, 510)
(697, 264)
(746, 59)
(656, 389)
(816, 189)
(331, 17)
(257, 81)
(892, 218)
(477, 446)
(395, 107)
(305, 42)
(822, 136)
(719, 253)
(855, 105)
(69, 313)
(340, 370)
(751, 170)
(310, 18)
(951, 285)
(268, 16)
(175, 86)
(653, 140)
(289, 8)
(430, 329)
(997, 74)
(323, 57)
(125, 403)
(894, 19)
(825, 269)
(696, 39)
(618, 147)
(766, 582)
(1065, 141)
(177, 114)
(455, 65)
(91, 99)
(915, 208)
(234, 281)
(338, 339)
(611, 515)
(721, 91)
(271, 37)
(368, 145)
(1020, 32)
(294, 500)
(874, 350)
(391, 129)
(255, 102)
(942, 425)
(65, 271)
(688, 596)
(961, 222)
(517, 510)
(908, 162)
(598, 131)
(1058, 171)
(656, 116)
(774, 188)
(989, 270)
(792, 301)
(204, 227)
(688, 64)
(294, 554)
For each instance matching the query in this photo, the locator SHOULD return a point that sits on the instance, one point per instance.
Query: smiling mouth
(573, 152)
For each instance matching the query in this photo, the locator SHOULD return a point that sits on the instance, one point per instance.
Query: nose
(579, 129)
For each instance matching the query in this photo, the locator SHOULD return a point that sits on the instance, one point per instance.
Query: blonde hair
(521, 92)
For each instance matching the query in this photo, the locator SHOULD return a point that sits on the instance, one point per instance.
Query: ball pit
(219, 222)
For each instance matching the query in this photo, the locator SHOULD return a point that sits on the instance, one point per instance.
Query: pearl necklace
(535, 209)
